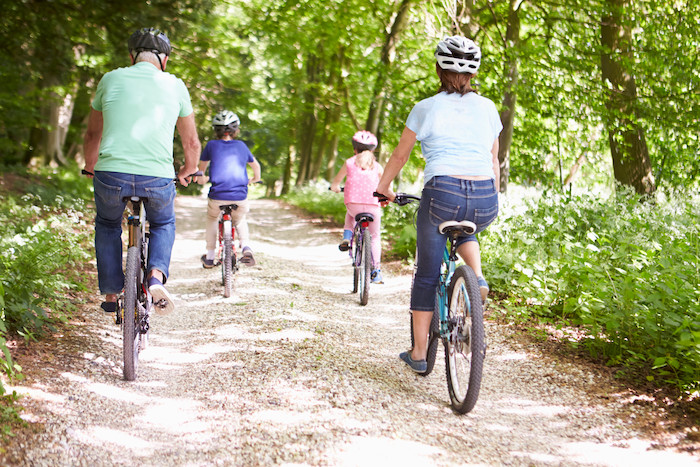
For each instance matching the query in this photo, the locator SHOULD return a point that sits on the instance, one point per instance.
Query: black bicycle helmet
(149, 40)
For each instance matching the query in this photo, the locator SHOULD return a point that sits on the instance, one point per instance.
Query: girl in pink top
(363, 173)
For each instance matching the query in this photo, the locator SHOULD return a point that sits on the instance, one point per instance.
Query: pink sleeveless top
(360, 184)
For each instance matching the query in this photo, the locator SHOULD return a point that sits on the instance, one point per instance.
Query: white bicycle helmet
(458, 54)
(226, 118)
(364, 138)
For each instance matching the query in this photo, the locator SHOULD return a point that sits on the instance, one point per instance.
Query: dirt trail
(292, 370)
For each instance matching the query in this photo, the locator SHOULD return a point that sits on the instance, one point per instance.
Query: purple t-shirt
(227, 169)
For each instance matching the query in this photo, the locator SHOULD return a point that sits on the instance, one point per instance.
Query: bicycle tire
(365, 268)
(465, 346)
(355, 278)
(228, 266)
(131, 335)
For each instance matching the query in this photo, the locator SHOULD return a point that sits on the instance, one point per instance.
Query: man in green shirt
(129, 148)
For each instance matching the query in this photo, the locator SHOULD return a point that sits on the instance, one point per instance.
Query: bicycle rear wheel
(130, 320)
(227, 265)
(365, 269)
(465, 346)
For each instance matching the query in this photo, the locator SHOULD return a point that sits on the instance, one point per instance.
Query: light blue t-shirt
(456, 134)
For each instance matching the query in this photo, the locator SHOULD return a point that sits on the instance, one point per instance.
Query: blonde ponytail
(365, 160)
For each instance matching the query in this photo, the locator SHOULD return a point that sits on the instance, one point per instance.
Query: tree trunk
(307, 131)
(631, 164)
(510, 74)
(287, 175)
(376, 109)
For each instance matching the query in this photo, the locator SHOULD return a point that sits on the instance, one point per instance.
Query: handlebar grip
(85, 172)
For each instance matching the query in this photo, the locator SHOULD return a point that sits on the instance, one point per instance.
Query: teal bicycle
(457, 318)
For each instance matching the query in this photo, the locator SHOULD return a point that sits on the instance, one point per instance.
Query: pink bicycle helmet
(364, 139)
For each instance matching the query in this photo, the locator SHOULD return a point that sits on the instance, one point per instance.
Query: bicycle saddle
(227, 206)
(466, 227)
(364, 216)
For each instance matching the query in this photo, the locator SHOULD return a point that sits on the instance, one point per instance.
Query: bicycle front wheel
(465, 346)
(130, 320)
(227, 266)
(365, 269)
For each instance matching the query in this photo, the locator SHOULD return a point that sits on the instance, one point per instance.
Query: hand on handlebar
(385, 196)
(184, 176)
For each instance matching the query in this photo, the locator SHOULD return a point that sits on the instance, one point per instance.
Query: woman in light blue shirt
(458, 130)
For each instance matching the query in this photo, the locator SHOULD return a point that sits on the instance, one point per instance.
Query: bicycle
(135, 304)
(360, 251)
(457, 318)
(227, 249)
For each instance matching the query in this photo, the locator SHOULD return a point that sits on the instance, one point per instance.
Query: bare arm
(255, 165)
(202, 179)
(496, 165)
(91, 142)
(190, 144)
(335, 183)
(398, 159)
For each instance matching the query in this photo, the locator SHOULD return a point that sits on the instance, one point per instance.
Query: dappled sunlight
(531, 408)
(386, 451)
(629, 452)
(234, 332)
(115, 393)
(164, 357)
(39, 393)
(510, 356)
(176, 416)
(100, 436)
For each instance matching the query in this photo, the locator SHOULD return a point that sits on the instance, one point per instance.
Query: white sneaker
(162, 301)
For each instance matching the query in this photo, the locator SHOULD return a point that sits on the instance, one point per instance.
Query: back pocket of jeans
(441, 212)
(483, 217)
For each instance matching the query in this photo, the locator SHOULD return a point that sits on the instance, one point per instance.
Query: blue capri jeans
(110, 189)
(447, 199)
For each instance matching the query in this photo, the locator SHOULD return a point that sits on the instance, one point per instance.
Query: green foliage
(43, 236)
(625, 270)
(318, 199)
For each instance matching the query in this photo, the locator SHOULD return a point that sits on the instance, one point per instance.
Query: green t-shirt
(140, 106)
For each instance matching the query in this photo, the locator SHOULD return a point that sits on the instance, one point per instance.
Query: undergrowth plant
(623, 269)
(43, 236)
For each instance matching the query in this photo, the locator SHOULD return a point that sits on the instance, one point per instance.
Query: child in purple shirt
(229, 158)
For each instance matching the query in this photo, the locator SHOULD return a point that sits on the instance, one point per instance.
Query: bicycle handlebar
(402, 199)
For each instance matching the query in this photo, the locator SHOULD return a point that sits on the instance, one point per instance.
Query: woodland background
(598, 240)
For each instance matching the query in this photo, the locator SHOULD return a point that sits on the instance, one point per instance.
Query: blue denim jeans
(110, 189)
(446, 199)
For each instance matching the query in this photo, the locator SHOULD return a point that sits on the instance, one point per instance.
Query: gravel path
(292, 370)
